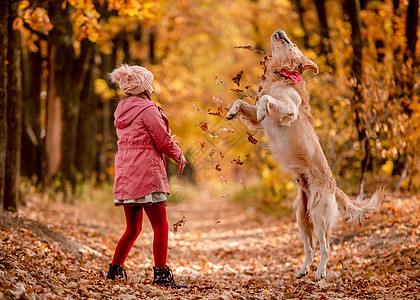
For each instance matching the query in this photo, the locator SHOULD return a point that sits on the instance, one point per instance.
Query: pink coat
(143, 144)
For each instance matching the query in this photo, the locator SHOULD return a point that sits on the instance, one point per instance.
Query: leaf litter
(225, 251)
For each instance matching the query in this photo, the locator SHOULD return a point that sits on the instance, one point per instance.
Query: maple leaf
(224, 179)
(218, 168)
(221, 156)
(237, 78)
(202, 144)
(212, 152)
(251, 139)
(237, 161)
(219, 111)
(203, 126)
(250, 48)
(179, 223)
(196, 107)
(243, 184)
(217, 81)
(217, 101)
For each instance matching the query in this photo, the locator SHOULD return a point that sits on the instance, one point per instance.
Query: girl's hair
(144, 95)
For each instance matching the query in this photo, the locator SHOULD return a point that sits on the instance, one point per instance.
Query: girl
(141, 182)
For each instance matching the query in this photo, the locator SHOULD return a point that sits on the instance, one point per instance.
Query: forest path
(223, 251)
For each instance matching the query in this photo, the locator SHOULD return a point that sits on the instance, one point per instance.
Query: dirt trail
(222, 251)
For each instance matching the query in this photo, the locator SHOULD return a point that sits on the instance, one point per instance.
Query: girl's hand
(181, 163)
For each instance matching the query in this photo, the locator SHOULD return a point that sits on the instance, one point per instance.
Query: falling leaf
(196, 107)
(202, 144)
(237, 91)
(227, 130)
(219, 111)
(250, 48)
(203, 126)
(251, 139)
(243, 184)
(212, 152)
(238, 161)
(221, 156)
(247, 87)
(179, 223)
(224, 179)
(218, 168)
(217, 101)
(218, 222)
(237, 78)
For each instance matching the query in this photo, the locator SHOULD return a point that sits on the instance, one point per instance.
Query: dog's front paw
(231, 114)
(261, 114)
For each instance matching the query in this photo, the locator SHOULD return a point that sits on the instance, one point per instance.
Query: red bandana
(295, 76)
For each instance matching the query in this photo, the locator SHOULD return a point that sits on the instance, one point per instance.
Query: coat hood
(128, 110)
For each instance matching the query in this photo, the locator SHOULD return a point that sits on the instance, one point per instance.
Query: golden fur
(283, 112)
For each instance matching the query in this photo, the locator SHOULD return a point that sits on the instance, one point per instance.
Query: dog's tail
(356, 210)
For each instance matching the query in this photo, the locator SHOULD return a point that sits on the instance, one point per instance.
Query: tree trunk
(31, 114)
(54, 122)
(71, 90)
(4, 16)
(14, 107)
(301, 10)
(87, 137)
(353, 10)
(108, 134)
(411, 28)
(67, 73)
(323, 25)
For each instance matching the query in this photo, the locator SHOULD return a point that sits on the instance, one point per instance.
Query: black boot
(115, 270)
(163, 276)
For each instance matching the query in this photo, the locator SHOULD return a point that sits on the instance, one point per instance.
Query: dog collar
(295, 76)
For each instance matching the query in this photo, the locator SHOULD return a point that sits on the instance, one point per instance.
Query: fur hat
(133, 80)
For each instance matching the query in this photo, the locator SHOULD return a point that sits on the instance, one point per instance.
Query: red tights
(134, 220)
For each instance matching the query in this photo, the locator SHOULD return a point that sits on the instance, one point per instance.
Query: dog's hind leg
(305, 229)
(324, 216)
(321, 272)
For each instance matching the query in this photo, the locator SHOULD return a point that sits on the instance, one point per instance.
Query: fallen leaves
(224, 252)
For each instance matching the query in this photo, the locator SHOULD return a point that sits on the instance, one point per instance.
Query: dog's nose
(280, 34)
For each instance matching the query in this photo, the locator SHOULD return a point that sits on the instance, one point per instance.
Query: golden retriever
(282, 111)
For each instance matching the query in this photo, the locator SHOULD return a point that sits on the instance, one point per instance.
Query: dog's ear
(309, 64)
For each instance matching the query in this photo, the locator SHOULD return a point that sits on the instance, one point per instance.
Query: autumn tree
(14, 107)
(4, 18)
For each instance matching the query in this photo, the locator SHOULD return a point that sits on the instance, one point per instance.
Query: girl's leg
(157, 217)
(134, 220)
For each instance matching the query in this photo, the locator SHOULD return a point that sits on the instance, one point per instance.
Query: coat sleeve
(159, 132)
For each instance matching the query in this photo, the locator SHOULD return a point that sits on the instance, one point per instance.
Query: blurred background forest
(56, 123)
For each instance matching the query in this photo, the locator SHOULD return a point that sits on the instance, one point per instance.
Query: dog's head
(287, 55)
